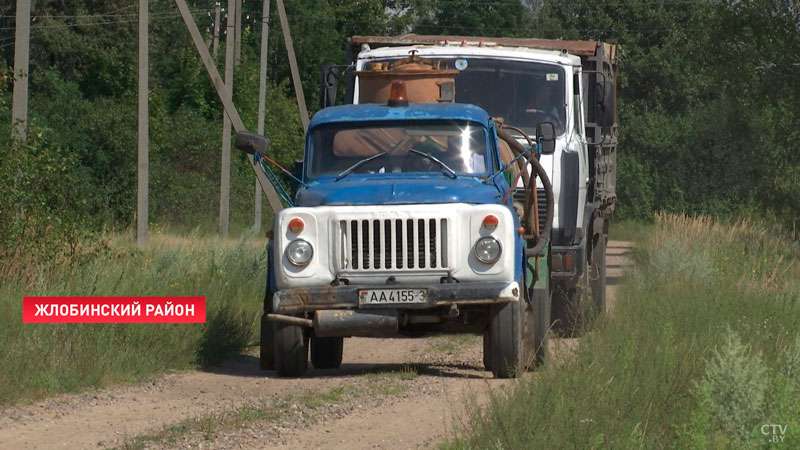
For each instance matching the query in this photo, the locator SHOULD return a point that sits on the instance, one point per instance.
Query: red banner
(114, 310)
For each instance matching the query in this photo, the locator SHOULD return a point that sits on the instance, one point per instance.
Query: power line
(257, 15)
(108, 14)
(154, 16)
(480, 28)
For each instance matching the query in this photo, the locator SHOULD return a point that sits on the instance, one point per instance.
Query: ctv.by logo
(772, 432)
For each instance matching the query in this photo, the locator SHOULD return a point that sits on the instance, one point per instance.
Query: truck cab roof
(379, 113)
(579, 48)
(543, 55)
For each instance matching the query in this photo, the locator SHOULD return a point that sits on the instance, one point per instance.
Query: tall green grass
(43, 359)
(630, 230)
(702, 350)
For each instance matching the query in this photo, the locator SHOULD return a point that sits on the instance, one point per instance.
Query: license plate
(392, 296)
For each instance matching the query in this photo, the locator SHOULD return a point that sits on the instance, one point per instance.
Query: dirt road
(389, 393)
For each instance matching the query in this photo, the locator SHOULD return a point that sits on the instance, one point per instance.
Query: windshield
(459, 145)
(523, 93)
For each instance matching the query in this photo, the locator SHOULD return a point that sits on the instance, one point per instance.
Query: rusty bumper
(297, 300)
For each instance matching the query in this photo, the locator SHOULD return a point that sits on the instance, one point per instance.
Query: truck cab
(404, 222)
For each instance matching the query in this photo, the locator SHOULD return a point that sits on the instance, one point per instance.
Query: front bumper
(298, 300)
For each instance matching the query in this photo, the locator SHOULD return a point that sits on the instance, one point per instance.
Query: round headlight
(488, 250)
(299, 252)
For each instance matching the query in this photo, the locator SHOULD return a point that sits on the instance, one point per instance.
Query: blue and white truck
(418, 211)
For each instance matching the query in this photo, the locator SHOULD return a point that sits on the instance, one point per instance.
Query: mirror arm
(504, 167)
(258, 157)
(273, 179)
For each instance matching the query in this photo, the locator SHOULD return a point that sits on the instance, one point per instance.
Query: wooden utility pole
(262, 100)
(216, 32)
(237, 58)
(22, 42)
(298, 86)
(225, 178)
(230, 109)
(142, 182)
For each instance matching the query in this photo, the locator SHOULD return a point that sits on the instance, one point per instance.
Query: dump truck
(425, 203)
(522, 82)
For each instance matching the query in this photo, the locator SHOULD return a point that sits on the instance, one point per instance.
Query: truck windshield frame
(522, 92)
(460, 144)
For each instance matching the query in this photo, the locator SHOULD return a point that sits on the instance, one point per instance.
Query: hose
(530, 193)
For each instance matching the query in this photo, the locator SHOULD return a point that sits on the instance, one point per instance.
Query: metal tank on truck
(404, 221)
(522, 83)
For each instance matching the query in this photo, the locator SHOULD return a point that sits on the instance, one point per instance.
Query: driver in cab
(453, 151)
(542, 105)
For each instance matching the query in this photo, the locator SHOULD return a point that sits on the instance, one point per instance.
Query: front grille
(393, 244)
(541, 199)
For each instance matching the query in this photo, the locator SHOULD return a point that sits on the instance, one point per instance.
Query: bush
(45, 359)
(39, 222)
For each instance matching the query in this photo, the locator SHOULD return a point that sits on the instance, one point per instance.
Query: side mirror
(251, 143)
(329, 85)
(546, 137)
(607, 109)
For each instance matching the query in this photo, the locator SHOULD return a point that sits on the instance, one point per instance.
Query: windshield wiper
(355, 166)
(445, 168)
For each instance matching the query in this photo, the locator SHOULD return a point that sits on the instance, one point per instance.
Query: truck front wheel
(326, 353)
(597, 280)
(487, 351)
(267, 357)
(505, 338)
(291, 350)
(568, 313)
(538, 321)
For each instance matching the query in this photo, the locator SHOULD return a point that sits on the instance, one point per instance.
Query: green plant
(734, 391)
(74, 357)
(700, 352)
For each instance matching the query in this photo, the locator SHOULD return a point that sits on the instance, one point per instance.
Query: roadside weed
(44, 359)
(701, 352)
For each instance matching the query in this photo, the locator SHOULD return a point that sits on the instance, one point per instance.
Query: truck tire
(597, 280)
(505, 334)
(568, 311)
(291, 350)
(267, 356)
(326, 353)
(538, 322)
(487, 351)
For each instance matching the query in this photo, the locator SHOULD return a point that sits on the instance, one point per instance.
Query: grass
(391, 382)
(308, 405)
(631, 230)
(40, 360)
(701, 352)
(451, 343)
(205, 427)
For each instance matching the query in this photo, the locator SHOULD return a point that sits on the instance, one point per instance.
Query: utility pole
(230, 109)
(298, 86)
(262, 94)
(225, 179)
(22, 43)
(238, 56)
(142, 182)
(216, 32)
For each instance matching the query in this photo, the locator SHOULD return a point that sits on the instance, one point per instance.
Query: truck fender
(271, 288)
(595, 226)
(570, 185)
